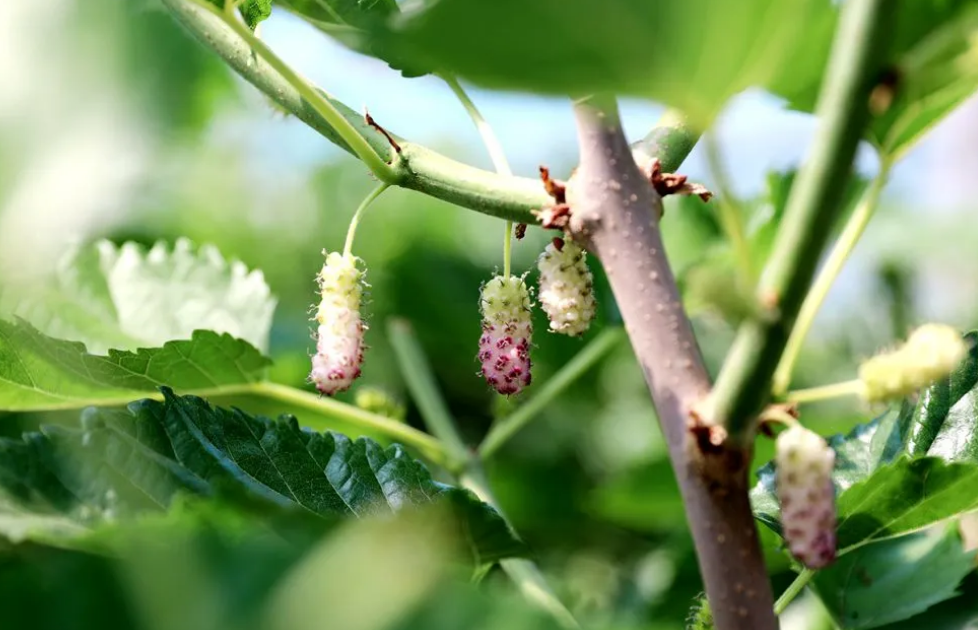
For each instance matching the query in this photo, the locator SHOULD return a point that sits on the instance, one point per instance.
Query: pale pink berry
(339, 341)
(504, 348)
(807, 496)
(566, 287)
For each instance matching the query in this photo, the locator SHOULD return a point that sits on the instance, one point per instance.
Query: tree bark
(615, 213)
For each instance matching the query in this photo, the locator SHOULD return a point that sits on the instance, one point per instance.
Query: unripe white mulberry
(339, 343)
(807, 496)
(566, 287)
(931, 352)
(504, 348)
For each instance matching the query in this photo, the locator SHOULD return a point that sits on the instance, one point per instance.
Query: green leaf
(351, 21)
(38, 372)
(958, 613)
(124, 463)
(110, 297)
(890, 581)
(905, 496)
(359, 14)
(944, 421)
(930, 70)
(253, 11)
(936, 69)
(692, 55)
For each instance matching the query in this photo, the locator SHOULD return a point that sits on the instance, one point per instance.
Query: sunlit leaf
(123, 298)
(38, 372)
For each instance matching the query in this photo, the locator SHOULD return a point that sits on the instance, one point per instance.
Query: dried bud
(931, 352)
(566, 287)
(504, 348)
(807, 496)
(339, 344)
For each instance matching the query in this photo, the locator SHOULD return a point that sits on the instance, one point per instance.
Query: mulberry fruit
(807, 496)
(339, 343)
(566, 287)
(931, 352)
(504, 348)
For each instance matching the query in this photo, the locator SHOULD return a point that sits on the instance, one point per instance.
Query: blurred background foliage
(113, 123)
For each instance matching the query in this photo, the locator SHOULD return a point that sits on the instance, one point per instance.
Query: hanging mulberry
(566, 287)
(339, 344)
(931, 352)
(504, 348)
(807, 496)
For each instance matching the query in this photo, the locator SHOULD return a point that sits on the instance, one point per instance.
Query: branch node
(674, 183)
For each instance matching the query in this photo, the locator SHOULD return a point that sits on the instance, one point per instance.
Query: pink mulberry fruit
(339, 343)
(504, 348)
(807, 496)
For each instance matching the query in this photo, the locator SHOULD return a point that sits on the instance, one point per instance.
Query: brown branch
(615, 210)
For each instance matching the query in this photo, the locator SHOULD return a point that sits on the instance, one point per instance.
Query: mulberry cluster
(566, 287)
(931, 352)
(339, 343)
(807, 496)
(504, 348)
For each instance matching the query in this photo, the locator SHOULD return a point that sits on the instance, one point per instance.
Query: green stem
(496, 154)
(363, 150)
(355, 221)
(826, 392)
(397, 431)
(493, 146)
(826, 278)
(428, 446)
(793, 590)
(584, 360)
(421, 383)
(815, 200)
(670, 141)
(729, 213)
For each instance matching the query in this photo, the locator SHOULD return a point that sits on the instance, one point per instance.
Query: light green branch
(793, 590)
(854, 387)
(421, 383)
